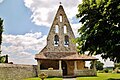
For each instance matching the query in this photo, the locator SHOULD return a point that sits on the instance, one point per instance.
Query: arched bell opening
(56, 40)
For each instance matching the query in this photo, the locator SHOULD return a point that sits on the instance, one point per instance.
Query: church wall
(89, 72)
(17, 71)
(50, 39)
(51, 73)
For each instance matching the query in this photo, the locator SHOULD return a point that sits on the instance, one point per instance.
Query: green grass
(45, 79)
(102, 76)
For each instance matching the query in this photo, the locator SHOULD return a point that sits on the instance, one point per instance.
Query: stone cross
(60, 3)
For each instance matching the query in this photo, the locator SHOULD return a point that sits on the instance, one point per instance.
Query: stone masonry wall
(50, 47)
(85, 73)
(17, 71)
(51, 72)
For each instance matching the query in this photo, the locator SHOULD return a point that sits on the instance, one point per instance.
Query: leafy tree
(3, 59)
(1, 30)
(100, 32)
(98, 64)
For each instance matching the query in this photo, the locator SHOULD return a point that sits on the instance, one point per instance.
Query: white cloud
(107, 63)
(44, 11)
(22, 48)
(75, 28)
(1, 1)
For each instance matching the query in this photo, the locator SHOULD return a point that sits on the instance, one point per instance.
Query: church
(60, 57)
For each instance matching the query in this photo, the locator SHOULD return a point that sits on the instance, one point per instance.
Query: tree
(100, 32)
(1, 30)
(98, 64)
(2, 58)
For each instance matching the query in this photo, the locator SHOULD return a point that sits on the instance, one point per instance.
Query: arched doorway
(64, 68)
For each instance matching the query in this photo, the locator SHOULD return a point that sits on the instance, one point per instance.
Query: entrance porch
(65, 68)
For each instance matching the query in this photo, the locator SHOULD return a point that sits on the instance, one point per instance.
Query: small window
(56, 29)
(56, 40)
(66, 42)
(65, 29)
(60, 18)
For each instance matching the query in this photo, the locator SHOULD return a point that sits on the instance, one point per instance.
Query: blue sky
(17, 18)
(27, 23)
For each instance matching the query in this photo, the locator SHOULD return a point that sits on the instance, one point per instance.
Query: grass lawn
(102, 76)
(45, 79)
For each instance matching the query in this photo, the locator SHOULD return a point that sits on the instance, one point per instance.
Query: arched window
(66, 43)
(56, 29)
(65, 29)
(60, 18)
(56, 40)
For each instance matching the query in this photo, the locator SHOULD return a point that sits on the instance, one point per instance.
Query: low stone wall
(51, 72)
(85, 72)
(17, 71)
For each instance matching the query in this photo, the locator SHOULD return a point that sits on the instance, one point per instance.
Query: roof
(63, 56)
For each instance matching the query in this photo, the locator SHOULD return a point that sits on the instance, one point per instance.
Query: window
(66, 42)
(56, 40)
(65, 29)
(60, 18)
(56, 29)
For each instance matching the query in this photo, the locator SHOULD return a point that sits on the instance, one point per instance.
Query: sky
(27, 23)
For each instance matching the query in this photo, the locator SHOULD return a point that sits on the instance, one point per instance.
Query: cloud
(1, 1)
(75, 28)
(43, 11)
(107, 63)
(22, 48)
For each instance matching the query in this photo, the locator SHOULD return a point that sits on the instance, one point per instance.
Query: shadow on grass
(113, 79)
(54, 77)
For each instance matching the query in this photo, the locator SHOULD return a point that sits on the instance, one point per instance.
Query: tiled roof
(63, 56)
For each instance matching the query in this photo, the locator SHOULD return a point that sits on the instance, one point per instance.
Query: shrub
(43, 76)
(106, 70)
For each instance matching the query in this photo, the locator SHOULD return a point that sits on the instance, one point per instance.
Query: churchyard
(100, 76)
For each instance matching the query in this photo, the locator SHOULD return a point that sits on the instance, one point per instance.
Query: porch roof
(63, 56)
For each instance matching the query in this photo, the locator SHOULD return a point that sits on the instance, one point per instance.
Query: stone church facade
(59, 57)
